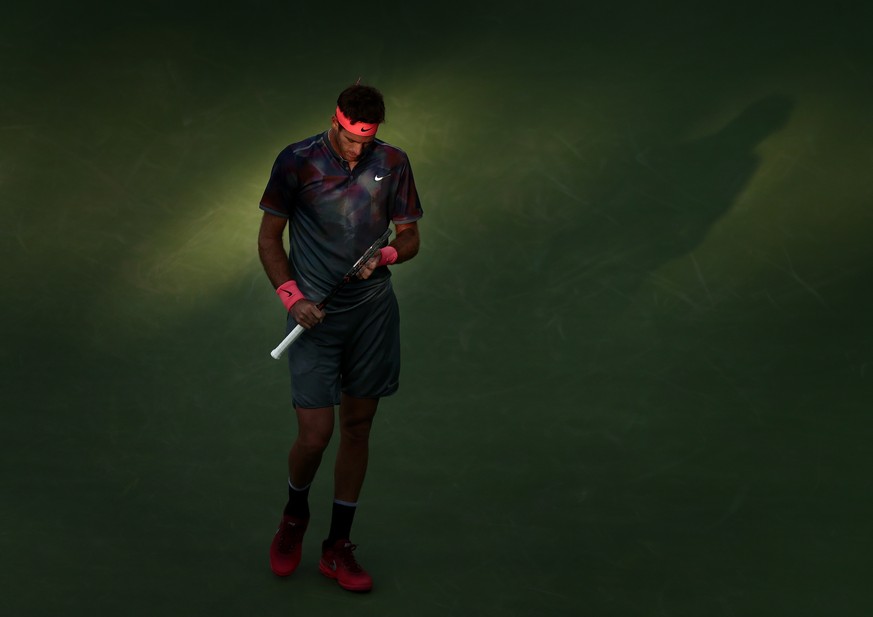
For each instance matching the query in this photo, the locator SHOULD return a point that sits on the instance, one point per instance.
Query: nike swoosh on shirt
(379, 178)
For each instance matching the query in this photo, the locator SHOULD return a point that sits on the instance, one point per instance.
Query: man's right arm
(274, 258)
(271, 250)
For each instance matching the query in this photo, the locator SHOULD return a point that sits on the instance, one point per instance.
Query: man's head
(361, 105)
(359, 112)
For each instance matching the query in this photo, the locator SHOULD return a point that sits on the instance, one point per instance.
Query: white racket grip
(286, 342)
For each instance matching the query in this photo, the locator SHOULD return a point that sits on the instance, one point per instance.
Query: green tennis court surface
(637, 342)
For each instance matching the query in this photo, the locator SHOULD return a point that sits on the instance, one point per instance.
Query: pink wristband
(289, 294)
(389, 255)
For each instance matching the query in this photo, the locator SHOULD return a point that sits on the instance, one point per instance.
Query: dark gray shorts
(356, 352)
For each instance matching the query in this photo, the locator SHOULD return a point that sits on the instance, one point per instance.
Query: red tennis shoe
(287, 545)
(338, 562)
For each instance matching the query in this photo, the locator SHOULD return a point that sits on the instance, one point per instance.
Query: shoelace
(289, 536)
(348, 558)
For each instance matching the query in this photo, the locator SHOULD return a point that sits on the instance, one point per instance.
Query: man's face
(349, 146)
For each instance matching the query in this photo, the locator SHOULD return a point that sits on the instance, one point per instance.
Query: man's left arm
(406, 243)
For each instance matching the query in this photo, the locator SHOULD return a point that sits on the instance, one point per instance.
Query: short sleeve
(407, 206)
(279, 196)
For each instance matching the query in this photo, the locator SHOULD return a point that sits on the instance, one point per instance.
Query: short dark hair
(362, 103)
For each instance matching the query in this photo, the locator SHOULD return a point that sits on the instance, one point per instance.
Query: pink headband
(358, 128)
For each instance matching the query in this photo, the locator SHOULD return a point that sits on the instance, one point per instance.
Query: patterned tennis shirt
(336, 213)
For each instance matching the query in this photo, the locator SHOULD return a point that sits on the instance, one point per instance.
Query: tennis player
(337, 192)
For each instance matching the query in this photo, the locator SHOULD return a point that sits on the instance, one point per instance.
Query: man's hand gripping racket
(352, 273)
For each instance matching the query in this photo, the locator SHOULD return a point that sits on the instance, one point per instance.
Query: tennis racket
(297, 331)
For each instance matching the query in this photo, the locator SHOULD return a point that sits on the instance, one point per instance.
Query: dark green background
(637, 339)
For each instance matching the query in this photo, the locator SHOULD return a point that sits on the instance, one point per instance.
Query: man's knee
(314, 429)
(357, 429)
(313, 441)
